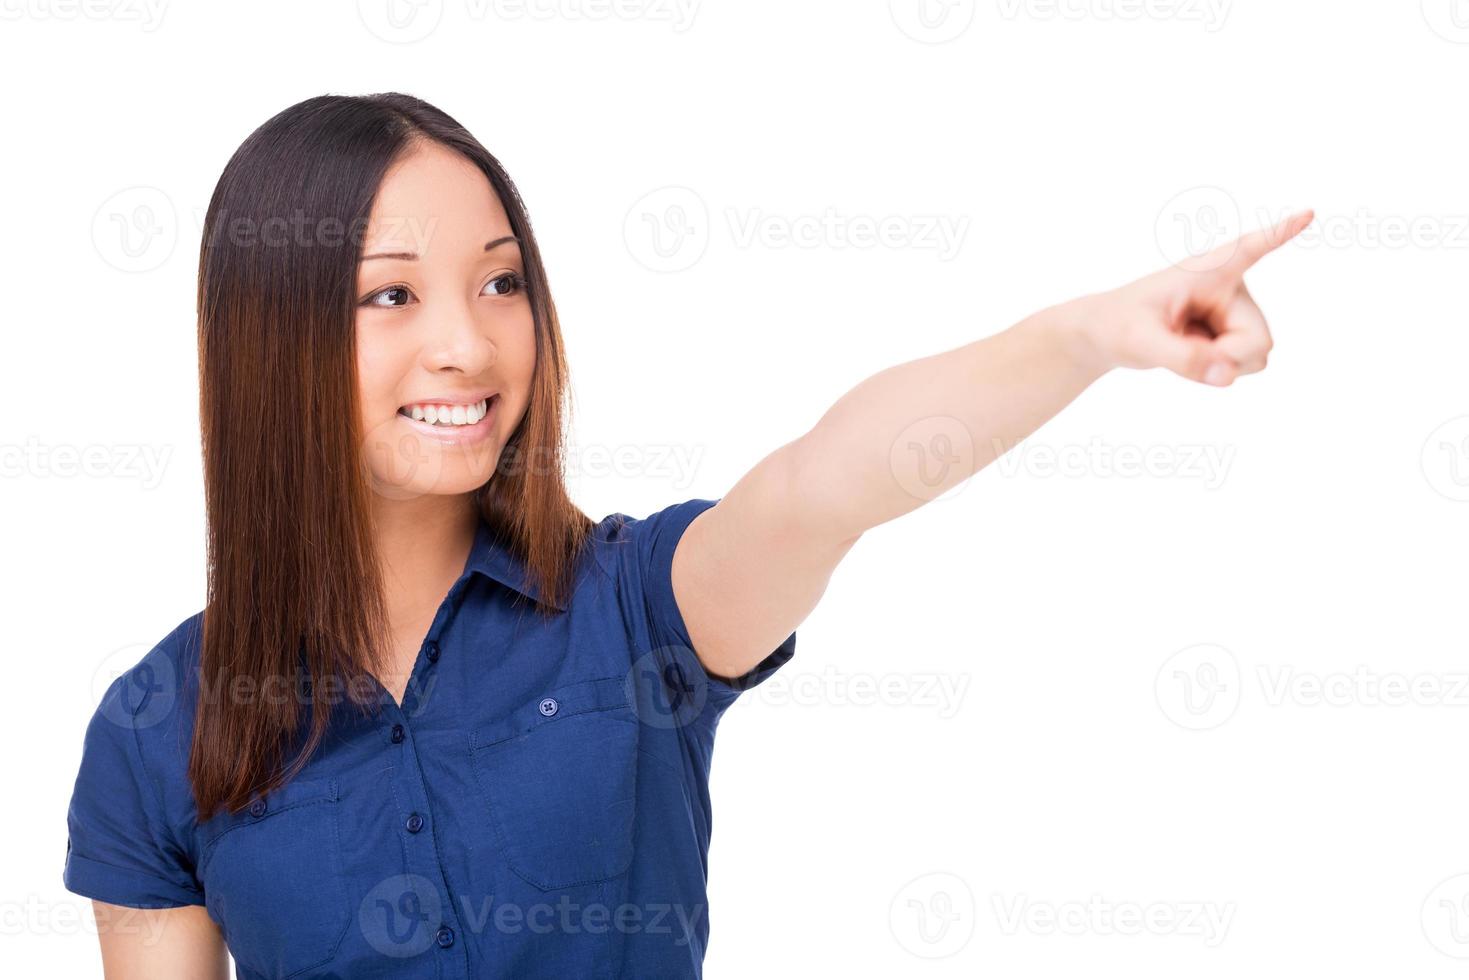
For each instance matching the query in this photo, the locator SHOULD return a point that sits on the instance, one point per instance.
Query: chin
(417, 470)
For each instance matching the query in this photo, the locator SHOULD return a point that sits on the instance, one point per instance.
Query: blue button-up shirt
(537, 806)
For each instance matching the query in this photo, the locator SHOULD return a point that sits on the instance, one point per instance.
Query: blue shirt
(537, 806)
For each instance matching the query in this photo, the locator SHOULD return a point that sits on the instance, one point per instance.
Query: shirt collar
(492, 557)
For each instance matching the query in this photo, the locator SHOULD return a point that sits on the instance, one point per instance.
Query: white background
(1296, 543)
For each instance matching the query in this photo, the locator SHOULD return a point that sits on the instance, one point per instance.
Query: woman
(434, 721)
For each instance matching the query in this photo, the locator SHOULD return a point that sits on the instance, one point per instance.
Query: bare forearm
(907, 434)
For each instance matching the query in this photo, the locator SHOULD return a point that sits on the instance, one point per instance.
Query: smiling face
(446, 345)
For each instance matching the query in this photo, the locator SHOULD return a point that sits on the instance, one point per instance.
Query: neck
(422, 546)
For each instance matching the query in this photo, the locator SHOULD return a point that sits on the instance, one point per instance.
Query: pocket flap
(551, 706)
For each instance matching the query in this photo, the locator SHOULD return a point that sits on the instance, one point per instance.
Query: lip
(458, 435)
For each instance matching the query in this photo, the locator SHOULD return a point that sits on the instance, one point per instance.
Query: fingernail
(1217, 374)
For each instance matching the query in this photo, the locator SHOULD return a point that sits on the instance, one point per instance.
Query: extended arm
(750, 569)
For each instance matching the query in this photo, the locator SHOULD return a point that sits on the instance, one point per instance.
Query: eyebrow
(413, 256)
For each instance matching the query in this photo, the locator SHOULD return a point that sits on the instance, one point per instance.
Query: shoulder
(150, 690)
(618, 533)
(131, 812)
(150, 703)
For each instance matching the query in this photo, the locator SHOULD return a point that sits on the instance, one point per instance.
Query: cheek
(377, 376)
(523, 350)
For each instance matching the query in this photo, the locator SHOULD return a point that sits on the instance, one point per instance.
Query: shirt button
(257, 808)
(549, 707)
(397, 734)
(433, 652)
(415, 823)
(444, 937)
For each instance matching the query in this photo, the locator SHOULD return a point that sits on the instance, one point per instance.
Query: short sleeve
(118, 850)
(656, 538)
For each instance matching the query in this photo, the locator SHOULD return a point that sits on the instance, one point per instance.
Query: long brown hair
(295, 599)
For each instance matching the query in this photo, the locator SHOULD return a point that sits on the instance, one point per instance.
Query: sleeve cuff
(119, 886)
(659, 586)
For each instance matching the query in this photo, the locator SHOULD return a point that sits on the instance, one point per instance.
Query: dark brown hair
(294, 599)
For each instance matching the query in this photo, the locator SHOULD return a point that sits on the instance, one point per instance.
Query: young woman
(433, 720)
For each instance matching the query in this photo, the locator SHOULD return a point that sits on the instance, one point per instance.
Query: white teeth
(448, 415)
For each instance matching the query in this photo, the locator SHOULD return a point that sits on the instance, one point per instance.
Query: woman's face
(445, 337)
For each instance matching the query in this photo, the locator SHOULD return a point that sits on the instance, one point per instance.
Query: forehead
(434, 200)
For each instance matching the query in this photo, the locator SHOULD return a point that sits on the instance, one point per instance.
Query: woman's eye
(508, 285)
(390, 297)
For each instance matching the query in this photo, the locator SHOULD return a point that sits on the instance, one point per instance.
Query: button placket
(409, 788)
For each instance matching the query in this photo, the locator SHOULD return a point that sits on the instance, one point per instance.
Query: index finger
(1249, 249)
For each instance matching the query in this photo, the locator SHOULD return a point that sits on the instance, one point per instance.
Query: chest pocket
(559, 780)
(272, 877)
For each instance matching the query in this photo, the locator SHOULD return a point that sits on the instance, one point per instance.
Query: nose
(458, 340)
